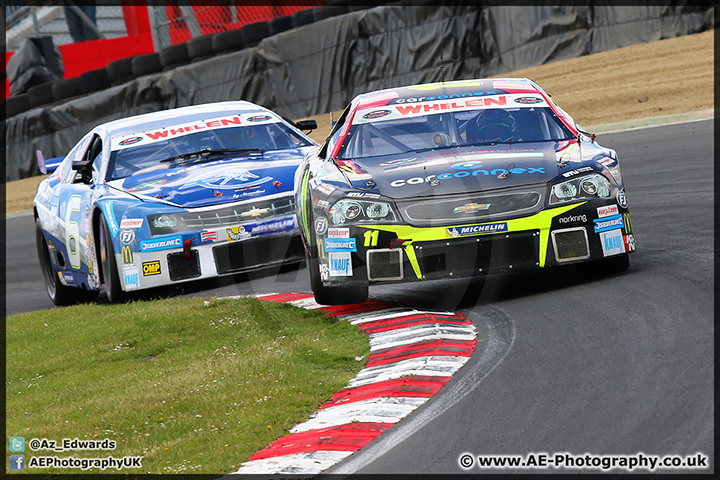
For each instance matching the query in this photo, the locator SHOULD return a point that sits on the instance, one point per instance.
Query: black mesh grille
(181, 267)
(385, 264)
(571, 245)
(476, 207)
(249, 254)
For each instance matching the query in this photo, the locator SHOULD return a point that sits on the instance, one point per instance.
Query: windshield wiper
(207, 154)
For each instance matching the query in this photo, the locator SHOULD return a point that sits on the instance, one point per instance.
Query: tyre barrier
(201, 47)
(17, 104)
(302, 17)
(40, 94)
(252, 33)
(174, 56)
(146, 64)
(229, 41)
(66, 88)
(123, 70)
(94, 80)
(279, 24)
(413, 353)
(321, 13)
(119, 71)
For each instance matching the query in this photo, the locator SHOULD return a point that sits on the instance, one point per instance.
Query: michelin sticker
(476, 229)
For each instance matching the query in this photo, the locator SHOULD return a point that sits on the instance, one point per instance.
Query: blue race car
(168, 197)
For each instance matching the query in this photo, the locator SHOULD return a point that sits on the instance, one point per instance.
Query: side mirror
(306, 125)
(83, 166)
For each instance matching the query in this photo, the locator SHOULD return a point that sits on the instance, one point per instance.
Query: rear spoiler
(49, 165)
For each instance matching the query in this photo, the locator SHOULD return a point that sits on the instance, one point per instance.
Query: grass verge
(191, 385)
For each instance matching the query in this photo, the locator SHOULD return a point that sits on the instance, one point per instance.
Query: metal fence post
(192, 23)
(159, 26)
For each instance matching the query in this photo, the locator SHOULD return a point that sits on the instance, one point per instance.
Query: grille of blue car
(227, 216)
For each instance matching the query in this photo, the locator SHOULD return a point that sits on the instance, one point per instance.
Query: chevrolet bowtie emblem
(472, 208)
(254, 212)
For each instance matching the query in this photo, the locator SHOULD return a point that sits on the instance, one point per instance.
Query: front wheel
(332, 295)
(59, 294)
(108, 267)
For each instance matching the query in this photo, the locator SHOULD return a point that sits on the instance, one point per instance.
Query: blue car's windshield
(452, 129)
(207, 144)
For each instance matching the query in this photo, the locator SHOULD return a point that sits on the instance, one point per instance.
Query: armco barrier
(320, 67)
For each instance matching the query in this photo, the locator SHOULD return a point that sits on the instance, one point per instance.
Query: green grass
(193, 386)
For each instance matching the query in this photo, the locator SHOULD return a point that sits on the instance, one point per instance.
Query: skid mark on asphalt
(413, 353)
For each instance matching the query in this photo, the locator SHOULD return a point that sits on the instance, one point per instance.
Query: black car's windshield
(453, 129)
(202, 146)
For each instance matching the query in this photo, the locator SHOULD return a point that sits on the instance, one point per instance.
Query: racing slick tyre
(108, 268)
(59, 294)
(332, 295)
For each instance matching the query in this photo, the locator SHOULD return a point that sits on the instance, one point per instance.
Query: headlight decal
(586, 187)
(349, 211)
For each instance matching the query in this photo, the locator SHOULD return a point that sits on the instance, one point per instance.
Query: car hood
(216, 182)
(467, 169)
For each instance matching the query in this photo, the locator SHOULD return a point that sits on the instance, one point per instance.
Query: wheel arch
(95, 225)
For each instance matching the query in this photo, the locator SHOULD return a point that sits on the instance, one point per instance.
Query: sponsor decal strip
(413, 354)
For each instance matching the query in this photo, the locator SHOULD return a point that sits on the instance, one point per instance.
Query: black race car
(456, 179)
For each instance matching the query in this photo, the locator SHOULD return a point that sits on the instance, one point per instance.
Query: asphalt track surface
(570, 360)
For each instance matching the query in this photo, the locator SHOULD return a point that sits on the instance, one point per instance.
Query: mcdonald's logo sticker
(151, 268)
(628, 227)
(127, 254)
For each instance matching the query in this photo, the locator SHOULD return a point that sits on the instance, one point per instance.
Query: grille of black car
(226, 216)
(385, 264)
(476, 207)
(571, 244)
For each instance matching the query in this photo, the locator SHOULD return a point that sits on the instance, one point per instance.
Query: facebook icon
(17, 462)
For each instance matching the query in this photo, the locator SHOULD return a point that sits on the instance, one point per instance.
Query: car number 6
(72, 231)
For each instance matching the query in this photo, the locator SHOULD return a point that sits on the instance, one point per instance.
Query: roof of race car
(448, 90)
(181, 115)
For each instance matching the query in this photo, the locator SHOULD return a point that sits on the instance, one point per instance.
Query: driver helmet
(496, 125)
